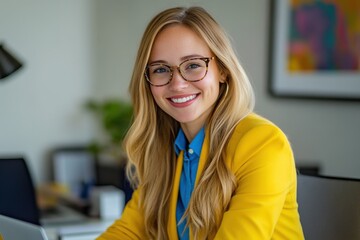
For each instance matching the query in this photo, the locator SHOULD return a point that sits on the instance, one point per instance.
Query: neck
(190, 131)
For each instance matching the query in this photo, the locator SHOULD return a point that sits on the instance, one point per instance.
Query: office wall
(40, 106)
(74, 50)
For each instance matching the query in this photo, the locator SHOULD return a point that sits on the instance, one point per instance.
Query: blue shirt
(192, 153)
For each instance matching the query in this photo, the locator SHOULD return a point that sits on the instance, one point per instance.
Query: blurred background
(74, 51)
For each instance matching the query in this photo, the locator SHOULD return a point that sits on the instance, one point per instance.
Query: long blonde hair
(149, 142)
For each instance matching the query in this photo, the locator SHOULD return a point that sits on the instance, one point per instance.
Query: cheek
(154, 92)
(210, 85)
(157, 94)
(213, 76)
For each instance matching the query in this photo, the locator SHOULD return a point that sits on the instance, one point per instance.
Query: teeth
(184, 99)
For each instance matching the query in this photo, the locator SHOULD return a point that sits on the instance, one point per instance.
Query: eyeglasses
(191, 70)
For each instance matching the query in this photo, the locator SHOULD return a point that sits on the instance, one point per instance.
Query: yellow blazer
(264, 203)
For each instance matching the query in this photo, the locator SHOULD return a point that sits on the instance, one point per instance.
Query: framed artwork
(315, 49)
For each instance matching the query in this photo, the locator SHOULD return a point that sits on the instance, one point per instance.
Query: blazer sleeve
(263, 164)
(131, 224)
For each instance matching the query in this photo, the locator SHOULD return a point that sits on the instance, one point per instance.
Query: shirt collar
(181, 143)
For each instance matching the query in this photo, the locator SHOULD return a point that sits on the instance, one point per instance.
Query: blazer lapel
(172, 227)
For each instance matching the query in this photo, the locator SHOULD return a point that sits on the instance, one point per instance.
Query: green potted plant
(114, 115)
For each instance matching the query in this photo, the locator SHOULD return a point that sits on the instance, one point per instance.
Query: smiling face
(189, 103)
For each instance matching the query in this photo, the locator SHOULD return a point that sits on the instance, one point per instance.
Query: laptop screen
(11, 229)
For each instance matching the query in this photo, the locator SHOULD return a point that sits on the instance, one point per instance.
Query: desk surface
(67, 224)
(85, 230)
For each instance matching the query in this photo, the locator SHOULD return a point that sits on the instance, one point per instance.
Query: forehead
(176, 41)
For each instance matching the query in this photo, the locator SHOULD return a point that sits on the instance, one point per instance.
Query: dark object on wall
(8, 63)
(17, 193)
(309, 169)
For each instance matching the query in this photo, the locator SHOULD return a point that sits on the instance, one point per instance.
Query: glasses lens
(158, 74)
(193, 69)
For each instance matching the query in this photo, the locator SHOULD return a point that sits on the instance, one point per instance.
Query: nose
(178, 82)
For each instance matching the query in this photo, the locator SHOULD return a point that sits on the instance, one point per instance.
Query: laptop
(11, 229)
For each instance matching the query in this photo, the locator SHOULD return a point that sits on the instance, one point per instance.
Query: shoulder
(256, 128)
(256, 137)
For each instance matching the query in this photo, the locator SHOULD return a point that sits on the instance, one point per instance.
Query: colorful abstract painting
(324, 35)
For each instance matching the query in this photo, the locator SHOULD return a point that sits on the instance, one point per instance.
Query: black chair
(329, 207)
(17, 193)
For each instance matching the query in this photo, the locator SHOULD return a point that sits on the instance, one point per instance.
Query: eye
(159, 69)
(192, 65)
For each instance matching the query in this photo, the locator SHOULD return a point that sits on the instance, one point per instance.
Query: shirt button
(190, 151)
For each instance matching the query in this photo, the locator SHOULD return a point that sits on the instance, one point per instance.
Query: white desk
(68, 224)
(87, 230)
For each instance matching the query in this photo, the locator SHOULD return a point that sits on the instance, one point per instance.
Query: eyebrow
(184, 58)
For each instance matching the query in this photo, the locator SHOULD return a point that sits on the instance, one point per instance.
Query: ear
(223, 76)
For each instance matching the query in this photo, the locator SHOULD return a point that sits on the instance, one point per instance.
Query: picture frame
(289, 74)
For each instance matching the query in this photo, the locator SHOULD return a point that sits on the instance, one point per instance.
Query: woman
(204, 165)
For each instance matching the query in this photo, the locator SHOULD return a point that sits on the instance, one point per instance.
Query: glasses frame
(205, 59)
